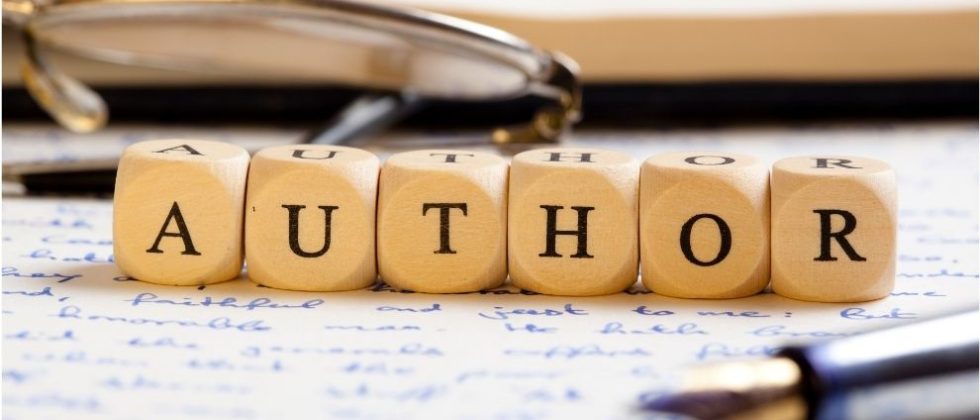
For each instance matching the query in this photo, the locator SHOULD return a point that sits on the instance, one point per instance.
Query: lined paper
(82, 340)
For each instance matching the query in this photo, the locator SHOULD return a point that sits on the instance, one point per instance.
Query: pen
(816, 381)
(369, 114)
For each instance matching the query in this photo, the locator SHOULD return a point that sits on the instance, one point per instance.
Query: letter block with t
(704, 225)
(442, 221)
(309, 218)
(177, 211)
(573, 221)
(833, 228)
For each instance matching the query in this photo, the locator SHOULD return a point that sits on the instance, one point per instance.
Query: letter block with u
(309, 218)
(442, 221)
(704, 225)
(177, 211)
(834, 226)
(573, 221)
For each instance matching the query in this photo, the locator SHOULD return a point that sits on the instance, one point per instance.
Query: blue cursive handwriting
(501, 313)
(220, 323)
(687, 328)
(228, 302)
(60, 278)
(862, 314)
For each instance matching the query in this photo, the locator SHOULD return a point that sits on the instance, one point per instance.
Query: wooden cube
(704, 225)
(442, 221)
(177, 211)
(573, 221)
(833, 228)
(309, 218)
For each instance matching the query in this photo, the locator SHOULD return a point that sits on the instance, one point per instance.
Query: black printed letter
(450, 157)
(581, 233)
(559, 156)
(299, 154)
(700, 160)
(184, 147)
(723, 249)
(294, 230)
(825, 163)
(444, 208)
(850, 223)
(182, 233)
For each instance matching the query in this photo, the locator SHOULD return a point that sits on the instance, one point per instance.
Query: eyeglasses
(416, 55)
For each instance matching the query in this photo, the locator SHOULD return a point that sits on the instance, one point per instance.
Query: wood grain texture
(177, 211)
(442, 221)
(309, 218)
(833, 228)
(704, 224)
(573, 221)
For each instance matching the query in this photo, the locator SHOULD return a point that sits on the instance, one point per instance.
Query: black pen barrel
(928, 349)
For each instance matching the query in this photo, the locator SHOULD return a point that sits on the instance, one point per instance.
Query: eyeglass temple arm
(68, 101)
(550, 122)
(372, 113)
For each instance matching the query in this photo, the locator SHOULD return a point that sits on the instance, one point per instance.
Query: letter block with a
(573, 221)
(442, 221)
(309, 218)
(177, 211)
(704, 225)
(833, 228)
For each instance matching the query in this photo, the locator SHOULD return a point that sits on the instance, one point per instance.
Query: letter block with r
(834, 226)
(442, 221)
(704, 224)
(177, 211)
(309, 218)
(573, 221)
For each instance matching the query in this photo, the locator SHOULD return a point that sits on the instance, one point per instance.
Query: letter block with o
(833, 228)
(573, 221)
(442, 221)
(177, 211)
(704, 224)
(309, 218)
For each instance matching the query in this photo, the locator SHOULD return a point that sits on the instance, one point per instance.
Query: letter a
(185, 148)
(181, 233)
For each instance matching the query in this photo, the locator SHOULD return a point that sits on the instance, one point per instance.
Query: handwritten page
(82, 340)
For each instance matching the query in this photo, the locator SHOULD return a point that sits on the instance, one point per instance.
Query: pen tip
(734, 389)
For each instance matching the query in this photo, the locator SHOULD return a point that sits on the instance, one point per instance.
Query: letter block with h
(309, 218)
(573, 221)
(177, 211)
(704, 225)
(833, 228)
(442, 221)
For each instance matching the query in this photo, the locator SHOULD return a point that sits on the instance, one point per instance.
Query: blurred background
(643, 63)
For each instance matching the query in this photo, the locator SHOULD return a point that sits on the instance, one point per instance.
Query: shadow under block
(833, 228)
(442, 221)
(309, 218)
(177, 211)
(573, 221)
(704, 225)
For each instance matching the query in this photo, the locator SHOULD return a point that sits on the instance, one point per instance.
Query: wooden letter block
(833, 228)
(309, 218)
(442, 221)
(704, 225)
(573, 221)
(177, 211)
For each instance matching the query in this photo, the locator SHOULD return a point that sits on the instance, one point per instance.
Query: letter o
(723, 230)
(693, 160)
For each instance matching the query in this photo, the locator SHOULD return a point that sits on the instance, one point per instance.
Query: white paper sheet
(81, 341)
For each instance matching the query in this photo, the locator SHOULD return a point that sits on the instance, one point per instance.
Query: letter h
(581, 232)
